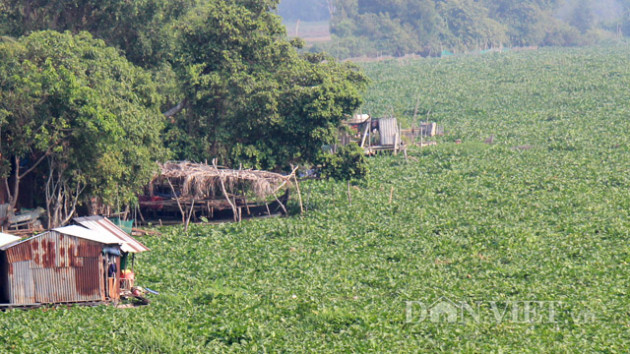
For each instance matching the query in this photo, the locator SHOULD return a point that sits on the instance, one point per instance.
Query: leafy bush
(348, 163)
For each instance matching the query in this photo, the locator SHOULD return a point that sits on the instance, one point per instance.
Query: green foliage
(426, 27)
(250, 97)
(348, 163)
(247, 96)
(141, 29)
(90, 113)
(471, 222)
(396, 27)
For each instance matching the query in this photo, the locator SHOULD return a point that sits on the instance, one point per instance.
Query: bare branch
(39, 161)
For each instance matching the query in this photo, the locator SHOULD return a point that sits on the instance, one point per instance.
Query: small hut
(194, 190)
(372, 134)
(70, 264)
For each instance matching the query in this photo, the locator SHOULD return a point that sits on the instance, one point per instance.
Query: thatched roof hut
(202, 181)
(204, 188)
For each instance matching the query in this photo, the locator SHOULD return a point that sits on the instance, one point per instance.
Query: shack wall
(55, 268)
(388, 128)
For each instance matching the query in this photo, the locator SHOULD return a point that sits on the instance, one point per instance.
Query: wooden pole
(365, 133)
(179, 205)
(297, 186)
(192, 208)
(140, 213)
(281, 205)
(391, 195)
(225, 193)
(288, 178)
(349, 195)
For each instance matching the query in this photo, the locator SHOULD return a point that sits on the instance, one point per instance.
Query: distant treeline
(427, 27)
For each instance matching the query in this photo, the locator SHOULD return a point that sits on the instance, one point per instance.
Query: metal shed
(6, 239)
(104, 225)
(65, 265)
(388, 128)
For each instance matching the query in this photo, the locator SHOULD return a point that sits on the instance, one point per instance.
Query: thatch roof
(200, 181)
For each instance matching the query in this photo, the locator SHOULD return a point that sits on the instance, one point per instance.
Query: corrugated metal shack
(372, 134)
(130, 246)
(66, 265)
(104, 225)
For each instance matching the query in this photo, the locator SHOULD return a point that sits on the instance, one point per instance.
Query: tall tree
(249, 96)
(141, 29)
(80, 116)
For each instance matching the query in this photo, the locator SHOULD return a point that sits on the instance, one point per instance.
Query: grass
(471, 222)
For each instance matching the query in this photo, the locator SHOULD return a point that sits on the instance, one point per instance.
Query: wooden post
(247, 206)
(297, 186)
(141, 216)
(391, 195)
(365, 133)
(281, 205)
(192, 210)
(349, 195)
(179, 205)
(225, 193)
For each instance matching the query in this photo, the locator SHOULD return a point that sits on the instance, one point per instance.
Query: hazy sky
(605, 10)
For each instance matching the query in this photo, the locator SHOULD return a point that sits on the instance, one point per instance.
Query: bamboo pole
(288, 178)
(179, 205)
(225, 193)
(281, 205)
(297, 186)
(192, 209)
(391, 195)
(349, 195)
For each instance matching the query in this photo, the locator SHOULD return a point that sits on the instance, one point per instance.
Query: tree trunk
(61, 197)
(13, 196)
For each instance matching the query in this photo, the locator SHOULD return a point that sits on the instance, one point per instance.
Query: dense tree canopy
(140, 28)
(84, 113)
(78, 114)
(250, 97)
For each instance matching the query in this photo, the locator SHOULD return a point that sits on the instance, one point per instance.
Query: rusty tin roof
(104, 225)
